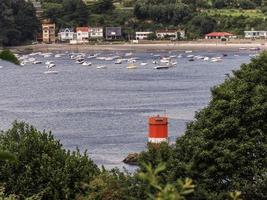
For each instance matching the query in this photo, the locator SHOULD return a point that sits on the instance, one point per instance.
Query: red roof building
(82, 29)
(218, 35)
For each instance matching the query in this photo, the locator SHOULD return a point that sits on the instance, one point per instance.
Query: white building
(255, 34)
(82, 33)
(171, 34)
(142, 35)
(96, 32)
(66, 34)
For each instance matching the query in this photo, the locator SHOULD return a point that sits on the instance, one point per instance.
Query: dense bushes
(43, 167)
(9, 56)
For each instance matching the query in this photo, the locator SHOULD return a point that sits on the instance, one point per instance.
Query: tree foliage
(224, 149)
(43, 167)
(69, 13)
(18, 22)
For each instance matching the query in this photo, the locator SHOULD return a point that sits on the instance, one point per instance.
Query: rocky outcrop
(131, 159)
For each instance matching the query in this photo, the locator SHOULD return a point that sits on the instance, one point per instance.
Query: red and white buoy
(158, 129)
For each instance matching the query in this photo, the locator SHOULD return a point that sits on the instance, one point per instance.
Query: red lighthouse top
(158, 127)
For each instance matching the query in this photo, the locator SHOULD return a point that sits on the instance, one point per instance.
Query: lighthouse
(158, 129)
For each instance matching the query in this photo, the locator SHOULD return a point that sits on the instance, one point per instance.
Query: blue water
(106, 110)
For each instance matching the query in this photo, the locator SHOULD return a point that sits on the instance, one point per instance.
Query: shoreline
(178, 46)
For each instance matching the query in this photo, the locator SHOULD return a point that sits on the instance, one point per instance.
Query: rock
(131, 159)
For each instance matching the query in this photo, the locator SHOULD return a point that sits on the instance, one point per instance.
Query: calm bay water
(106, 110)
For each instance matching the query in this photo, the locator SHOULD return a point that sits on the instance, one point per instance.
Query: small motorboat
(51, 65)
(191, 59)
(131, 66)
(206, 58)
(80, 61)
(101, 67)
(51, 72)
(216, 59)
(189, 51)
(155, 62)
(143, 64)
(86, 63)
(118, 61)
(1, 67)
(37, 62)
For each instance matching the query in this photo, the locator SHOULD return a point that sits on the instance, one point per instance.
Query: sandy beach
(178, 46)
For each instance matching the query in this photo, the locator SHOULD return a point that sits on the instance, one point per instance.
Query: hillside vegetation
(196, 17)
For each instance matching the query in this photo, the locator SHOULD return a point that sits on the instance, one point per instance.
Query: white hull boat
(143, 64)
(51, 72)
(101, 67)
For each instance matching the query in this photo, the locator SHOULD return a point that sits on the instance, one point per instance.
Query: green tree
(43, 167)
(9, 56)
(224, 149)
(18, 22)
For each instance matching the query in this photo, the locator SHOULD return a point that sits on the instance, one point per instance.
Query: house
(172, 34)
(219, 35)
(82, 34)
(48, 30)
(66, 34)
(113, 33)
(95, 32)
(142, 35)
(255, 34)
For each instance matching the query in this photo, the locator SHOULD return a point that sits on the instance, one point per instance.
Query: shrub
(43, 167)
(9, 56)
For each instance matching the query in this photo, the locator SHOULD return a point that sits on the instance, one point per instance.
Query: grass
(235, 12)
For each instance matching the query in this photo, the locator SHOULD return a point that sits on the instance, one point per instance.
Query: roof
(219, 34)
(66, 29)
(82, 29)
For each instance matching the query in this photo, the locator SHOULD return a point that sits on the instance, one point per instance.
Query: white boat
(49, 62)
(101, 67)
(131, 66)
(143, 64)
(51, 65)
(189, 51)
(59, 55)
(216, 59)
(22, 63)
(1, 67)
(118, 61)
(92, 56)
(161, 67)
(190, 56)
(165, 60)
(80, 61)
(155, 62)
(86, 63)
(37, 62)
(51, 72)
